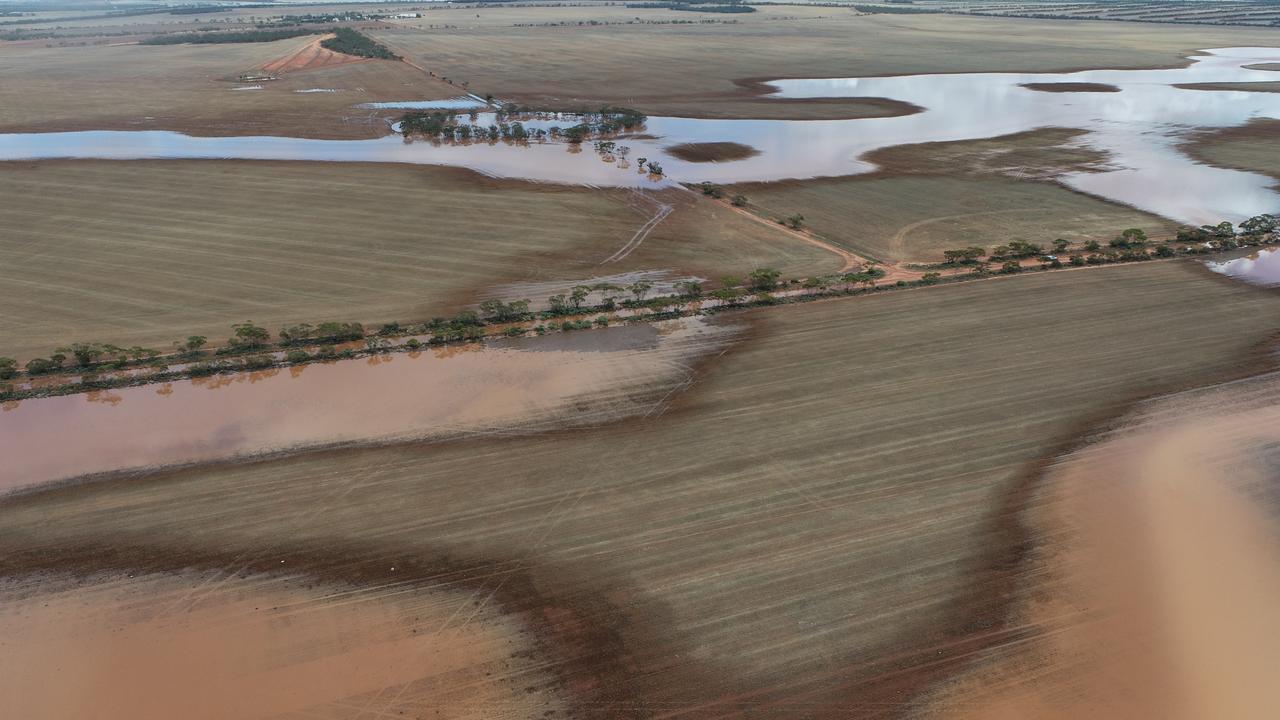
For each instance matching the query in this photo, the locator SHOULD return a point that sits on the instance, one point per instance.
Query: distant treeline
(350, 42)
(892, 10)
(198, 9)
(244, 36)
(725, 7)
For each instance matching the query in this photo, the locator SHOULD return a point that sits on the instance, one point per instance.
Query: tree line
(240, 36)
(352, 42)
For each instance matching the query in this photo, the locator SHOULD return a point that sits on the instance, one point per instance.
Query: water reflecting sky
(1140, 127)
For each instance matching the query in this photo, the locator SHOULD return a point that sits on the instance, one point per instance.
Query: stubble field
(147, 252)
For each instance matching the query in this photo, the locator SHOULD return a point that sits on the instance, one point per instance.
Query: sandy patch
(310, 57)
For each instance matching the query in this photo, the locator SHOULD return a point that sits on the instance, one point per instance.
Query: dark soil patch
(712, 151)
(1068, 87)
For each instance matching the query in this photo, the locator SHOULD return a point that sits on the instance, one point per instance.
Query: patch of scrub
(216, 644)
(712, 151)
(662, 282)
(1071, 87)
(438, 393)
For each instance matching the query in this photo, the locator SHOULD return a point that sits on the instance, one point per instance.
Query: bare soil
(1071, 87)
(1229, 86)
(311, 56)
(712, 151)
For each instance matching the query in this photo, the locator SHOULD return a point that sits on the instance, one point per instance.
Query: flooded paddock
(1260, 267)
(211, 645)
(501, 386)
(1139, 126)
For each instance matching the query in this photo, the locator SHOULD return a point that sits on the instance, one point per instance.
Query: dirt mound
(309, 57)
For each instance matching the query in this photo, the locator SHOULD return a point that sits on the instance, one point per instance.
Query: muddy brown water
(204, 645)
(587, 377)
(1153, 590)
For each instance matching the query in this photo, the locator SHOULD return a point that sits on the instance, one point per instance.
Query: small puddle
(1261, 267)
(577, 378)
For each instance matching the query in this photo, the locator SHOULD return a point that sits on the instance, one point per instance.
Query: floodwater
(1152, 589)
(587, 377)
(458, 103)
(207, 646)
(1261, 267)
(1140, 127)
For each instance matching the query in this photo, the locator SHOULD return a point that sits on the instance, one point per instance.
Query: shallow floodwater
(458, 103)
(1258, 268)
(586, 377)
(1140, 127)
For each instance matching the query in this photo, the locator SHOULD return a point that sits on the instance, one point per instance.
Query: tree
(962, 256)
(1010, 267)
(195, 342)
(1221, 230)
(8, 368)
(1192, 235)
(1259, 225)
(795, 222)
(558, 303)
(1130, 237)
(39, 366)
(728, 295)
(689, 288)
(1060, 245)
(739, 200)
(1093, 246)
(655, 168)
(577, 295)
(85, 354)
(640, 288)
(930, 278)
(1164, 251)
(248, 336)
(764, 278)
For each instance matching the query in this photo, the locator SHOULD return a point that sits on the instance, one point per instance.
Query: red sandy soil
(310, 57)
